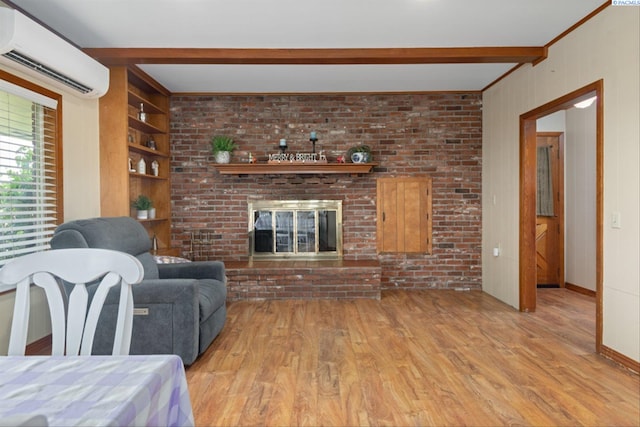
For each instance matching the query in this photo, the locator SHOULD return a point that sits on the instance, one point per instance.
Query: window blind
(28, 171)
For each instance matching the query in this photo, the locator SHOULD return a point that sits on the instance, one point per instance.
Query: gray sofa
(180, 307)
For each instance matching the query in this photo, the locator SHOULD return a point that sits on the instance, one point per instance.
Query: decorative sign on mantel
(297, 158)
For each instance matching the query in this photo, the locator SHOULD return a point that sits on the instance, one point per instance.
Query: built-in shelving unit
(294, 168)
(125, 139)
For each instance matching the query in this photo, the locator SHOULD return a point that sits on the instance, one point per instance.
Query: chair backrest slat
(73, 325)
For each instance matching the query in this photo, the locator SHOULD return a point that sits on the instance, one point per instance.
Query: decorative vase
(143, 214)
(223, 157)
(152, 213)
(357, 157)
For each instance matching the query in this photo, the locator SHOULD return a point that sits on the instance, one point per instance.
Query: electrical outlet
(497, 250)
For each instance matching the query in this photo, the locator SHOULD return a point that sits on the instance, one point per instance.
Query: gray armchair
(180, 307)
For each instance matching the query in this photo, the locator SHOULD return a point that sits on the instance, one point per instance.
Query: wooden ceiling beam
(440, 55)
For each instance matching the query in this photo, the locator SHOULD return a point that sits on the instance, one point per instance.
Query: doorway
(528, 194)
(550, 209)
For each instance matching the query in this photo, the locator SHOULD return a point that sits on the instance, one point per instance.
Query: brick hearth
(303, 279)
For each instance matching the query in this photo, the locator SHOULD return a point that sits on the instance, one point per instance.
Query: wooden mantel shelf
(293, 168)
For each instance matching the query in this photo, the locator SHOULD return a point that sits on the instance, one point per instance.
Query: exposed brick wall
(437, 134)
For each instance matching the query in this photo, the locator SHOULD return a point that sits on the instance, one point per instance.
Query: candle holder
(313, 142)
(283, 145)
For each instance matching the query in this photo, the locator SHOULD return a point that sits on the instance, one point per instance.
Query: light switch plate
(615, 220)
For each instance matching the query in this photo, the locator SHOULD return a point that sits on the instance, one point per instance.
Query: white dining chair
(73, 320)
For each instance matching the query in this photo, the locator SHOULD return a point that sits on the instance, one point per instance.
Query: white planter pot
(143, 214)
(223, 157)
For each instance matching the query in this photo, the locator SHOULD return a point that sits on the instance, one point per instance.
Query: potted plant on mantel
(142, 204)
(222, 146)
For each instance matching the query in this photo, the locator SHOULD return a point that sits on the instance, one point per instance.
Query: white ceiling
(320, 24)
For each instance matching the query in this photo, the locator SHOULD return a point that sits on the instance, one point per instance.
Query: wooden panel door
(550, 229)
(404, 214)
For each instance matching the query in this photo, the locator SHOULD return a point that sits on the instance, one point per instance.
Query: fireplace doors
(304, 229)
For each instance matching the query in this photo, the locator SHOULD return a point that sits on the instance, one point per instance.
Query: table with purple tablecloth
(96, 390)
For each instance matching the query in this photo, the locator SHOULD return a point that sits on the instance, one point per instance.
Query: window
(30, 167)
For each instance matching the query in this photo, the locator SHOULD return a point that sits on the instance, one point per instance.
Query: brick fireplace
(434, 134)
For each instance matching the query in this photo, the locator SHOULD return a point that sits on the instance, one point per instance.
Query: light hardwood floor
(439, 358)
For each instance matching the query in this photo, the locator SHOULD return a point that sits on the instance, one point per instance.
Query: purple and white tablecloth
(96, 390)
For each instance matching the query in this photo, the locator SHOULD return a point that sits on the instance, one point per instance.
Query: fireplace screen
(296, 229)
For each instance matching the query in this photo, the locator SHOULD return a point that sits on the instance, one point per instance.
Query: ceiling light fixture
(586, 103)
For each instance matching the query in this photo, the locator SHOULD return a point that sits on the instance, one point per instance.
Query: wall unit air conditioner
(29, 47)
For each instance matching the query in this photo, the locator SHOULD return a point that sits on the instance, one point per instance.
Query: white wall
(606, 47)
(580, 197)
(81, 163)
(556, 122)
